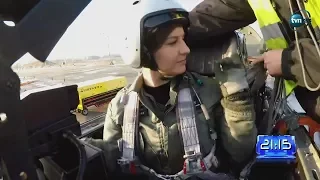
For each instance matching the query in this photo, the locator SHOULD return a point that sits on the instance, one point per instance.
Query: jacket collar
(138, 83)
(175, 84)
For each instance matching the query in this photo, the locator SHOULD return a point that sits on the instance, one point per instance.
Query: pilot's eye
(172, 42)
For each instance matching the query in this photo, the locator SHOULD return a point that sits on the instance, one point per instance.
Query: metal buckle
(193, 163)
(122, 161)
(127, 164)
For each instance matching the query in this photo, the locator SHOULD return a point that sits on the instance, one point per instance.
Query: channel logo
(297, 20)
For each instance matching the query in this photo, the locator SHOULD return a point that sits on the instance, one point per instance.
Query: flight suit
(160, 146)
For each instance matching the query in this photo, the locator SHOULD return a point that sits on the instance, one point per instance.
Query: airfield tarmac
(68, 75)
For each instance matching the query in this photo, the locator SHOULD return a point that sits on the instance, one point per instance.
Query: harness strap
(187, 124)
(194, 165)
(130, 124)
(209, 160)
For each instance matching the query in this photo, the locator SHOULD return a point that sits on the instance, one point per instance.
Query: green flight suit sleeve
(112, 133)
(291, 66)
(212, 18)
(237, 126)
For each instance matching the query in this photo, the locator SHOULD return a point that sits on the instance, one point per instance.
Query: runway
(68, 75)
(72, 74)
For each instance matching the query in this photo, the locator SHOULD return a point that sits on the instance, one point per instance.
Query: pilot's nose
(184, 49)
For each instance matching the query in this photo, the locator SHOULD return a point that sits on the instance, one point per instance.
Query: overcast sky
(95, 31)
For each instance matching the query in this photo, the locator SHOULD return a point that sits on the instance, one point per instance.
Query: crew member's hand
(272, 61)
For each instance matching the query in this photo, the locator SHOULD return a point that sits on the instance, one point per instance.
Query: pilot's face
(171, 56)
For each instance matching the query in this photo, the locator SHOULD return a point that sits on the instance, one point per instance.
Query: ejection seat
(203, 57)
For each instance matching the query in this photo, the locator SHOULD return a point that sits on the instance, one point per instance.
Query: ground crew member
(293, 55)
(168, 123)
(284, 50)
(211, 18)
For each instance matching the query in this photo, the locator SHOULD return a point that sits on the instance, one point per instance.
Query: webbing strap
(187, 122)
(195, 164)
(130, 120)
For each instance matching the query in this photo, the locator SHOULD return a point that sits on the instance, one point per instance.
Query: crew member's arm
(112, 133)
(237, 126)
(214, 17)
(292, 69)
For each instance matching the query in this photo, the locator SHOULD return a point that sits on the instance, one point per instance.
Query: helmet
(146, 15)
(189, 5)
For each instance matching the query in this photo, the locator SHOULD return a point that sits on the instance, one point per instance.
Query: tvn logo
(297, 19)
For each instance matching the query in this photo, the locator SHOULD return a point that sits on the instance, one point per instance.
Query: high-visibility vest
(269, 23)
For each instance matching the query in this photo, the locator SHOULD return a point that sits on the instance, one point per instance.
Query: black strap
(259, 82)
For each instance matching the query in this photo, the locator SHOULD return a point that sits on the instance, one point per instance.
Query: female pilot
(168, 122)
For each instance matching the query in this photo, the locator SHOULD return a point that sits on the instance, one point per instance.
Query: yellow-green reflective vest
(269, 23)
